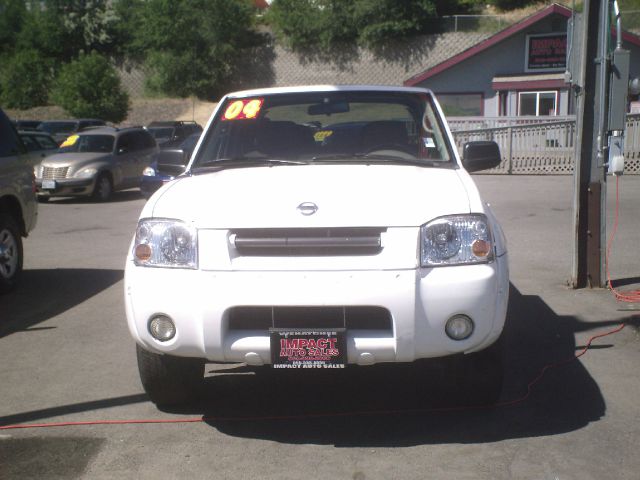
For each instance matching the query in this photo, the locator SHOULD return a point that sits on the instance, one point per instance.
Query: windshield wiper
(241, 162)
(376, 158)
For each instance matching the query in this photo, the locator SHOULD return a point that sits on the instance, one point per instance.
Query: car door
(125, 161)
(16, 177)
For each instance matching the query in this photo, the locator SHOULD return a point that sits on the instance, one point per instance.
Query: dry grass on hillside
(142, 111)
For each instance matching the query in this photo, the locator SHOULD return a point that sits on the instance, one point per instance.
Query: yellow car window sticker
(321, 135)
(70, 141)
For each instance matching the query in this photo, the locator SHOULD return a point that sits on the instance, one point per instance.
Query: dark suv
(61, 129)
(170, 134)
(95, 163)
(18, 206)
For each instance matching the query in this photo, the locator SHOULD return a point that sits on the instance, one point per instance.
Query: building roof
(432, 70)
(489, 42)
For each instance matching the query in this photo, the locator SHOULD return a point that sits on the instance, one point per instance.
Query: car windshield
(338, 126)
(161, 132)
(57, 127)
(87, 143)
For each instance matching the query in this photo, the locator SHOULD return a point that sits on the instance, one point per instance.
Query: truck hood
(345, 196)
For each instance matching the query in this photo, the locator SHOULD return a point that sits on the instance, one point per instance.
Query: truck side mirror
(478, 156)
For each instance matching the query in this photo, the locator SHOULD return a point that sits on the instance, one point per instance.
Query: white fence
(531, 146)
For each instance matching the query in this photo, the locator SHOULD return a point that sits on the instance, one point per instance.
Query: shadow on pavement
(396, 406)
(43, 294)
(32, 416)
(117, 197)
(391, 406)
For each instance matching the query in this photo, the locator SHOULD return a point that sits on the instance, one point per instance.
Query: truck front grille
(349, 317)
(307, 242)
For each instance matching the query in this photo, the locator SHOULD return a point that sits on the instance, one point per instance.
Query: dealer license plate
(308, 348)
(49, 184)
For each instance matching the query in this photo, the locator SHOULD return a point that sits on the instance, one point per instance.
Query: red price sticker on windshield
(243, 109)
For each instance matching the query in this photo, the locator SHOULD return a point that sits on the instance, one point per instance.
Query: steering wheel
(393, 149)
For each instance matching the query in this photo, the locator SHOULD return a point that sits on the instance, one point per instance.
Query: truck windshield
(339, 126)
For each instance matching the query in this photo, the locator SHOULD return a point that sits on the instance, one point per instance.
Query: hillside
(142, 111)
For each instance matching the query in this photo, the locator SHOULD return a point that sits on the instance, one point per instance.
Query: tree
(25, 80)
(193, 47)
(12, 14)
(90, 87)
(63, 29)
(325, 25)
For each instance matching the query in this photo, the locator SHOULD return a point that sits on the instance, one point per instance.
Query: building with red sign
(519, 71)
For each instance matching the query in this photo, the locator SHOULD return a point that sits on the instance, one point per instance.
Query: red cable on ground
(629, 296)
(509, 403)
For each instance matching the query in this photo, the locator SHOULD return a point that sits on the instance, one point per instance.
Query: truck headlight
(456, 240)
(165, 243)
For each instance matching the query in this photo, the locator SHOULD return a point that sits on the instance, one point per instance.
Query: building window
(461, 104)
(537, 103)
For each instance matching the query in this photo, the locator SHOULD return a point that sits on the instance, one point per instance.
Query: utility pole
(592, 92)
(602, 87)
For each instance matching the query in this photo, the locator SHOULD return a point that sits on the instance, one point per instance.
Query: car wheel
(103, 189)
(170, 380)
(43, 198)
(10, 253)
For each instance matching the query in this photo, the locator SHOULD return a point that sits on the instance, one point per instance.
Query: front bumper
(419, 303)
(67, 187)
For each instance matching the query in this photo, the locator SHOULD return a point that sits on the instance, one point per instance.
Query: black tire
(170, 380)
(43, 198)
(104, 188)
(11, 254)
(476, 378)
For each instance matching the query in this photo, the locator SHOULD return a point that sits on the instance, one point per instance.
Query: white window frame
(538, 93)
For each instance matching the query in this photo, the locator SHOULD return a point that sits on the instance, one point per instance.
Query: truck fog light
(162, 328)
(459, 327)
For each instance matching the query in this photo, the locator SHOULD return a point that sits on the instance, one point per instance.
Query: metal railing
(540, 148)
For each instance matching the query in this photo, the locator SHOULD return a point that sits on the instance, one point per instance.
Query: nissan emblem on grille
(307, 208)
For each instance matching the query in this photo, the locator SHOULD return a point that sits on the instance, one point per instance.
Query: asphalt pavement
(66, 356)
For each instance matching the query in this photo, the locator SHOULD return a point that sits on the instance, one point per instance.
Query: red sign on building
(546, 52)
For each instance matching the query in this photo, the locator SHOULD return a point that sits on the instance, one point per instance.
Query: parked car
(39, 144)
(18, 206)
(285, 247)
(27, 124)
(60, 130)
(96, 163)
(170, 134)
(167, 165)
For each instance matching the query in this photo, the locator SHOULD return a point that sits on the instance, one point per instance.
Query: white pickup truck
(318, 228)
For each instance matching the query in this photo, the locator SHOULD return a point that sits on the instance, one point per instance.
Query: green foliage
(90, 87)
(12, 13)
(63, 29)
(510, 4)
(193, 47)
(378, 21)
(325, 24)
(25, 80)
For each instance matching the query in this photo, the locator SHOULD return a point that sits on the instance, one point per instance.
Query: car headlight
(456, 240)
(86, 173)
(165, 243)
(149, 172)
